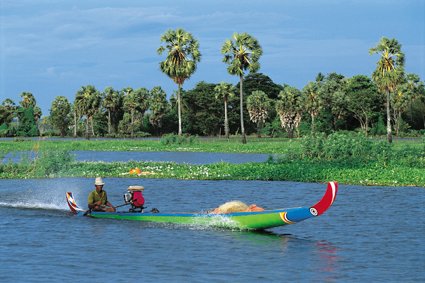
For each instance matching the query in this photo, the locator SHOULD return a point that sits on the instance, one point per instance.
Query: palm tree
(87, 100)
(75, 111)
(421, 95)
(37, 113)
(312, 100)
(28, 100)
(9, 114)
(135, 100)
(241, 52)
(110, 102)
(332, 91)
(8, 103)
(45, 122)
(225, 90)
(59, 112)
(412, 84)
(400, 99)
(258, 104)
(289, 109)
(158, 106)
(320, 78)
(389, 72)
(182, 57)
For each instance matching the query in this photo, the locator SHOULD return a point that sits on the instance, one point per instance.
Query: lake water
(176, 156)
(369, 234)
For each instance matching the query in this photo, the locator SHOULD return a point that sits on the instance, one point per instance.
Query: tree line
(332, 102)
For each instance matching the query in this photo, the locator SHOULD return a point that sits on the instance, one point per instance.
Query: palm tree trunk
(132, 123)
(226, 122)
(389, 137)
(423, 116)
(87, 129)
(259, 130)
(109, 122)
(92, 129)
(312, 124)
(367, 122)
(179, 111)
(75, 124)
(291, 133)
(241, 105)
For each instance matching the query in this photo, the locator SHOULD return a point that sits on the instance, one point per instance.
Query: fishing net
(231, 206)
(236, 206)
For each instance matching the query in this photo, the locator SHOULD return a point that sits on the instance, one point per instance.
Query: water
(176, 156)
(369, 234)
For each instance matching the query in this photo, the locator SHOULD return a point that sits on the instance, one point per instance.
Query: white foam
(34, 205)
(216, 220)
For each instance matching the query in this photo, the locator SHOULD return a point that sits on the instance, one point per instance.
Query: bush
(53, 162)
(27, 125)
(341, 147)
(379, 128)
(7, 131)
(142, 134)
(51, 133)
(173, 139)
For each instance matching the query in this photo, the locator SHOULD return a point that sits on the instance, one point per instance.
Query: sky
(53, 47)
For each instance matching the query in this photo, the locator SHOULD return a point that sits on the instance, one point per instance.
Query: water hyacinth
(301, 160)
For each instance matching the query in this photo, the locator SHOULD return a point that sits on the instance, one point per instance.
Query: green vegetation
(348, 160)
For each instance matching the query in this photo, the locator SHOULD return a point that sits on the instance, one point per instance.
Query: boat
(257, 220)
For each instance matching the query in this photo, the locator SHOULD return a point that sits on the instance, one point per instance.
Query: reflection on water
(329, 261)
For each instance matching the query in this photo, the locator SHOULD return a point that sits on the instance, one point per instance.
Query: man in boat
(98, 199)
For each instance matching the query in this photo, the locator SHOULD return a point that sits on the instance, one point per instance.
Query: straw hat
(99, 181)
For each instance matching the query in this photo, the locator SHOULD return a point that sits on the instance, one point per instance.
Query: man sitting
(98, 199)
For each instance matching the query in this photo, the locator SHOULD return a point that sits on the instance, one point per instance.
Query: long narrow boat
(240, 220)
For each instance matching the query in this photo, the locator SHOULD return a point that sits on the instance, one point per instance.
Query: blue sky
(53, 47)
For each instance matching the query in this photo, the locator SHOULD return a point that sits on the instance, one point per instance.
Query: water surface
(369, 234)
(172, 156)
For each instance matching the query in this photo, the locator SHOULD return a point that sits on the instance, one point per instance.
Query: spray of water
(36, 194)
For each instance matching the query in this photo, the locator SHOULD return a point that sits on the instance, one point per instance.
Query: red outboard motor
(135, 198)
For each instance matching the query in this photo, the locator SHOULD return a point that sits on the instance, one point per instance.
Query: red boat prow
(328, 199)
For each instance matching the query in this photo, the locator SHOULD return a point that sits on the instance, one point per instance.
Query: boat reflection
(322, 258)
(329, 261)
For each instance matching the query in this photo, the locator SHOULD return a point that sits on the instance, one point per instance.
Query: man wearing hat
(98, 199)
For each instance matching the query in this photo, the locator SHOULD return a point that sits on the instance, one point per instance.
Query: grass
(201, 145)
(266, 146)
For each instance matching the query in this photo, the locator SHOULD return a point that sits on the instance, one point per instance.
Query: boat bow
(326, 201)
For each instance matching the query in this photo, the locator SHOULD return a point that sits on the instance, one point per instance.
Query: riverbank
(264, 145)
(344, 173)
(272, 146)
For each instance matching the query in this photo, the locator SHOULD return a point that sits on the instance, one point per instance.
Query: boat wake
(39, 198)
(215, 221)
(34, 205)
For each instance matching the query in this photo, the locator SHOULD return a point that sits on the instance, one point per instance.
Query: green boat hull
(241, 220)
